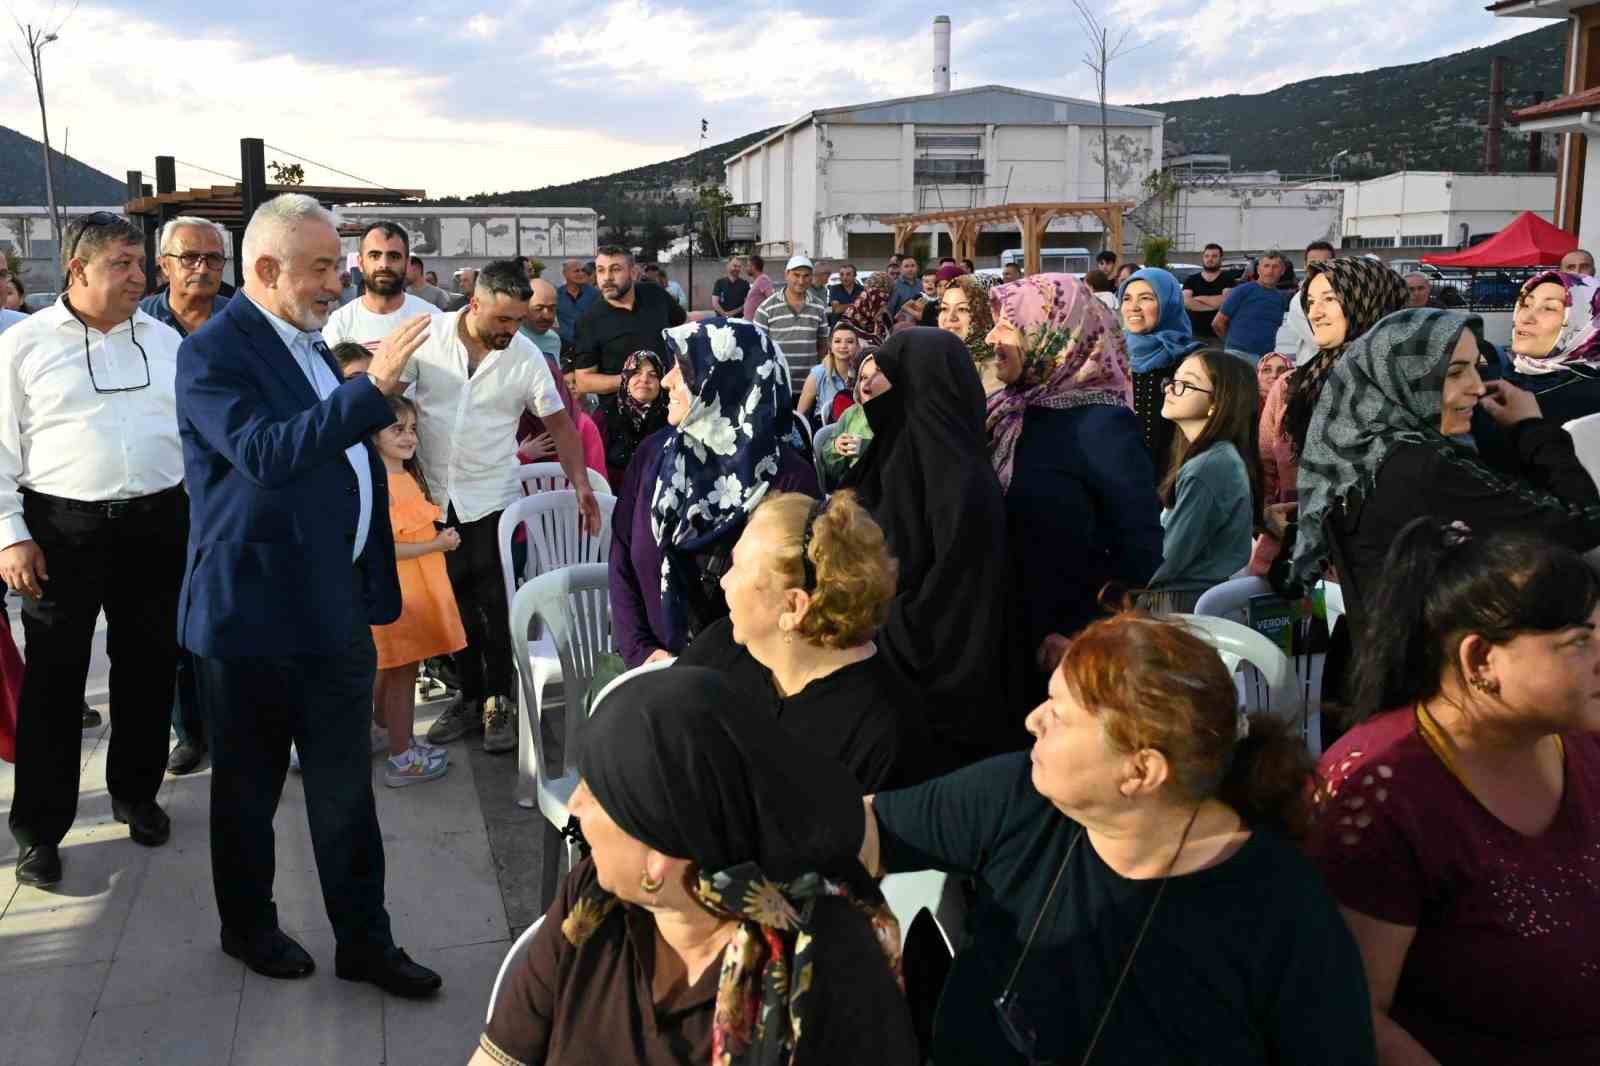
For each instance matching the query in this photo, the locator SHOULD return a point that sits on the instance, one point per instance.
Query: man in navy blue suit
(290, 561)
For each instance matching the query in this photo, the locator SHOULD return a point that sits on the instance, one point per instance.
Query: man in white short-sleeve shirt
(385, 303)
(474, 377)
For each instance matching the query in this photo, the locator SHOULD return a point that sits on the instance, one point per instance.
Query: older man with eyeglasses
(191, 258)
(92, 516)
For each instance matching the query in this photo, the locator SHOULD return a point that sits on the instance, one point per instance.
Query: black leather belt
(107, 508)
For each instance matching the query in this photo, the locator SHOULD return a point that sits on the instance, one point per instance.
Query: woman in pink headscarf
(1081, 502)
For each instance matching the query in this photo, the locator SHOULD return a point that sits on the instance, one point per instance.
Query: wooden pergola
(1031, 219)
(231, 206)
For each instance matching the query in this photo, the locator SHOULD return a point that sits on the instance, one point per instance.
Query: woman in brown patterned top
(723, 916)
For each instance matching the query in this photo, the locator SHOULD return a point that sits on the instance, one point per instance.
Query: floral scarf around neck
(1072, 356)
(764, 984)
(1579, 339)
(717, 464)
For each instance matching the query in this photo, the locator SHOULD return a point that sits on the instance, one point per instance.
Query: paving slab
(188, 1031)
(46, 1013)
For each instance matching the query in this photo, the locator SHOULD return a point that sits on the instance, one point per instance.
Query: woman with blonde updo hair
(810, 584)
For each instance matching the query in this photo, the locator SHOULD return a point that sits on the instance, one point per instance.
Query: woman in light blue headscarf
(1157, 336)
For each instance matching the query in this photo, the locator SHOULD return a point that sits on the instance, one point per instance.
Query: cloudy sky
(457, 98)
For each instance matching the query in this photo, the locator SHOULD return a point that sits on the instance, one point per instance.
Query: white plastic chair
(819, 447)
(1585, 434)
(542, 477)
(574, 604)
(909, 894)
(1231, 600)
(555, 539)
(1237, 643)
(519, 948)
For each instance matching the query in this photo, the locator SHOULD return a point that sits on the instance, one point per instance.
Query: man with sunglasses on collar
(92, 516)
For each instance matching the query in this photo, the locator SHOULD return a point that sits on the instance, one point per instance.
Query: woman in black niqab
(929, 483)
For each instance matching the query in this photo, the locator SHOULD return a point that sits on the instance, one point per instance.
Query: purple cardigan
(636, 558)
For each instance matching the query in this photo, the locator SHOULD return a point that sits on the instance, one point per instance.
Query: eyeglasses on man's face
(194, 260)
(1178, 386)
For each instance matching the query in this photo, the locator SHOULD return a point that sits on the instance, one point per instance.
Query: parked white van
(1053, 260)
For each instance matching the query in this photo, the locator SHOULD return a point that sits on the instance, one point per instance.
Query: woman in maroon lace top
(1460, 829)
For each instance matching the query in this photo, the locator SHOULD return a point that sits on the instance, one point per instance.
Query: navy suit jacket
(272, 499)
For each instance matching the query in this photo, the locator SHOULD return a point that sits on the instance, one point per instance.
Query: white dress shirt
(467, 424)
(323, 382)
(62, 436)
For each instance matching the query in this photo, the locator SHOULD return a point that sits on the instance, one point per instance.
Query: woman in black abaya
(929, 484)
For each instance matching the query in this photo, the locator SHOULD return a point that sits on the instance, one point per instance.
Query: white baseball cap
(796, 262)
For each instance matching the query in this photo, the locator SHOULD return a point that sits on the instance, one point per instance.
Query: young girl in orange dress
(429, 623)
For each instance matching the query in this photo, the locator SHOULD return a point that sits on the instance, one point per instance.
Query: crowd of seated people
(1163, 877)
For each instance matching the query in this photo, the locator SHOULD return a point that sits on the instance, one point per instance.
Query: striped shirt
(796, 333)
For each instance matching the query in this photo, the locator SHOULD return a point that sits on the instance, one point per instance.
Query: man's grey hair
(83, 240)
(1272, 253)
(170, 230)
(1419, 274)
(274, 221)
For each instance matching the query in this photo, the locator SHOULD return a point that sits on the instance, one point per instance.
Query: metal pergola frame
(231, 206)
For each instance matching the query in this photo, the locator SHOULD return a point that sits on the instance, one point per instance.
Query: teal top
(1206, 532)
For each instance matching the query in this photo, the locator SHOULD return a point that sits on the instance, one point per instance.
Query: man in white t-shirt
(475, 376)
(385, 254)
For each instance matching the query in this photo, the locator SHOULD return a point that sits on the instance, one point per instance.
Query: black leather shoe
(147, 823)
(186, 758)
(39, 866)
(272, 954)
(91, 717)
(391, 970)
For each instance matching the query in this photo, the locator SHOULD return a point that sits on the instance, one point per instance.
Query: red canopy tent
(1528, 241)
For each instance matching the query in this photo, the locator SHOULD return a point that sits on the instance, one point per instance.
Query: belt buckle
(117, 508)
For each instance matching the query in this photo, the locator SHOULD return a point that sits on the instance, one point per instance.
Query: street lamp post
(36, 40)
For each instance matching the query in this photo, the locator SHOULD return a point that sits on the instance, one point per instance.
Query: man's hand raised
(395, 351)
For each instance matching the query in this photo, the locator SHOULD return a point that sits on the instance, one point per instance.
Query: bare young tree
(1106, 44)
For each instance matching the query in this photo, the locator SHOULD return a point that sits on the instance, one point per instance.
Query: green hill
(641, 183)
(1420, 116)
(22, 176)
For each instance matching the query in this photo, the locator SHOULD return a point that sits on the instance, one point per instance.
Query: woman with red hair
(1140, 897)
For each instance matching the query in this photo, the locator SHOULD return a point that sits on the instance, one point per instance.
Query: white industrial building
(1397, 216)
(1417, 211)
(825, 183)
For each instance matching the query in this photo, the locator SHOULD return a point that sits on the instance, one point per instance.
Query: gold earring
(1484, 684)
(650, 885)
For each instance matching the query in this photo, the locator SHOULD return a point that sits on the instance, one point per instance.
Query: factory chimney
(941, 53)
(1497, 120)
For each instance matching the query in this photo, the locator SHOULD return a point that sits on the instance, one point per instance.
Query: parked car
(1054, 260)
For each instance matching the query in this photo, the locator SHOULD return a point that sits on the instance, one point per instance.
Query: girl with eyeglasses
(1211, 494)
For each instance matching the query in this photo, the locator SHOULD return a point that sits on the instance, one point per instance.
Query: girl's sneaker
(411, 768)
(432, 751)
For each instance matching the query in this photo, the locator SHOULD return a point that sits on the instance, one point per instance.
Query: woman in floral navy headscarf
(690, 487)
(1081, 503)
